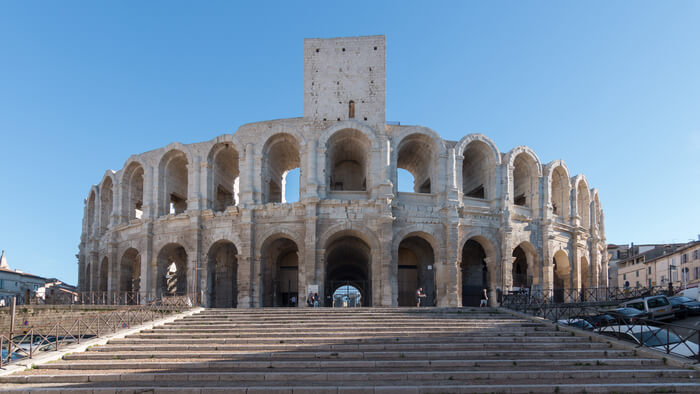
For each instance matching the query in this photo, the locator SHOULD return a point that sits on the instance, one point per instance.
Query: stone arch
(559, 188)
(478, 271)
(348, 161)
(223, 176)
(561, 267)
(418, 150)
(106, 200)
(525, 268)
(586, 272)
(104, 275)
(477, 163)
(222, 274)
(348, 262)
(583, 201)
(171, 272)
(369, 132)
(91, 210)
(415, 260)
(280, 257)
(525, 169)
(360, 231)
(173, 182)
(281, 153)
(130, 273)
(132, 186)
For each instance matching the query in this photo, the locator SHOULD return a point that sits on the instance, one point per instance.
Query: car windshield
(629, 311)
(657, 302)
(656, 337)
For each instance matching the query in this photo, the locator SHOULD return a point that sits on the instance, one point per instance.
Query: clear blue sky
(611, 87)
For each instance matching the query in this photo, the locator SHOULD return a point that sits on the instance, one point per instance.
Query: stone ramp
(364, 350)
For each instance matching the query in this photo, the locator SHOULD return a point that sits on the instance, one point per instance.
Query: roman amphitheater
(211, 218)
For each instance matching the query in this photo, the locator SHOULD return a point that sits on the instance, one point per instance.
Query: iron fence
(526, 300)
(54, 336)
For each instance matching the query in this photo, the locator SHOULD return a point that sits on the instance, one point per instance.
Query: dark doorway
(222, 279)
(280, 273)
(474, 273)
(416, 259)
(348, 264)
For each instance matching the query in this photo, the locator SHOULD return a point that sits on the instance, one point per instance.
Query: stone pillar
(247, 177)
(247, 279)
(312, 182)
(205, 168)
(193, 195)
(307, 266)
(148, 265)
(150, 193)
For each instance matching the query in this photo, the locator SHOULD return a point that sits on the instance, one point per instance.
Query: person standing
(419, 295)
(484, 299)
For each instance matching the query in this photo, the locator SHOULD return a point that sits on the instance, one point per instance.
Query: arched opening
(222, 275)
(88, 278)
(223, 179)
(351, 109)
(524, 180)
(280, 156)
(562, 275)
(172, 271)
(474, 272)
(560, 193)
(415, 269)
(520, 274)
(417, 155)
(280, 272)
(583, 204)
(105, 204)
(347, 296)
(104, 274)
(348, 261)
(478, 170)
(585, 274)
(133, 192)
(173, 183)
(348, 160)
(404, 180)
(91, 213)
(130, 274)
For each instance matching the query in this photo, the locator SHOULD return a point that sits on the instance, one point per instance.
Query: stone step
(341, 364)
(476, 387)
(347, 378)
(219, 352)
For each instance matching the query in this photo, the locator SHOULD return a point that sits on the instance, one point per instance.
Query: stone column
(307, 266)
(148, 265)
(150, 191)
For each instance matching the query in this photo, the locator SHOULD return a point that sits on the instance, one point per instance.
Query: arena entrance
(415, 260)
(280, 273)
(348, 270)
(474, 273)
(222, 275)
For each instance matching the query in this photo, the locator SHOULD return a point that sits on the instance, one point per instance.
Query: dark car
(684, 306)
(628, 315)
(601, 320)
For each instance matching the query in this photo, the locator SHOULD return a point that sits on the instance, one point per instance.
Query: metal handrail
(74, 330)
(529, 299)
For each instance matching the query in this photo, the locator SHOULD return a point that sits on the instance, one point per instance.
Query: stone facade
(210, 217)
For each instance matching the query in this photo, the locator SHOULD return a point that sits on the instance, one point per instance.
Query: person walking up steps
(419, 296)
(484, 299)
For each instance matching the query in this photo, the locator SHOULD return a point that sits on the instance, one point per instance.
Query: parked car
(576, 322)
(653, 337)
(627, 315)
(601, 320)
(657, 307)
(684, 306)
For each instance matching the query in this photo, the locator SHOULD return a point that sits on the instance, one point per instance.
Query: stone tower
(345, 78)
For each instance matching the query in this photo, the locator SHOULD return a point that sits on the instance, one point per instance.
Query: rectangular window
(637, 272)
(649, 270)
(696, 272)
(624, 276)
(684, 258)
(36, 287)
(0, 283)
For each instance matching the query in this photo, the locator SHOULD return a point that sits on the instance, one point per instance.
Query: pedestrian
(316, 300)
(484, 299)
(294, 300)
(419, 296)
(310, 299)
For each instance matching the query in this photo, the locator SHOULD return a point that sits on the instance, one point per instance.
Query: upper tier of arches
(348, 160)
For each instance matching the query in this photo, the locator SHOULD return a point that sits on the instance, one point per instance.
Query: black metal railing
(527, 300)
(55, 335)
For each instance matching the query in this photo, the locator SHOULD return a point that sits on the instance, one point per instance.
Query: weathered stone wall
(183, 203)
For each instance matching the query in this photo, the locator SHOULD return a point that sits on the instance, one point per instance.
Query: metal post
(12, 318)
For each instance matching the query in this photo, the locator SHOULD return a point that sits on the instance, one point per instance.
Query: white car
(654, 338)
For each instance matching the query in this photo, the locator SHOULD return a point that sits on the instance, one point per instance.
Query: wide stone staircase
(363, 350)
